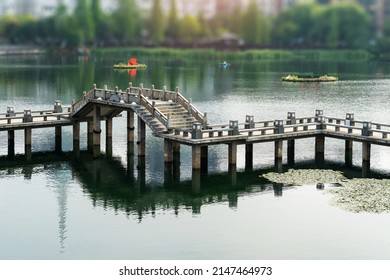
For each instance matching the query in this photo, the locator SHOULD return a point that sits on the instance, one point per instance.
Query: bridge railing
(156, 113)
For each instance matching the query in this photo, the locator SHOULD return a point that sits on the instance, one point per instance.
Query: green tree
(204, 29)
(255, 29)
(172, 30)
(292, 26)
(344, 25)
(126, 22)
(189, 28)
(157, 23)
(98, 20)
(84, 20)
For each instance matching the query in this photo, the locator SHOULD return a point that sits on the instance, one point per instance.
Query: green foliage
(344, 25)
(157, 23)
(254, 26)
(125, 22)
(84, 20)
(189, 28)
(172, 31)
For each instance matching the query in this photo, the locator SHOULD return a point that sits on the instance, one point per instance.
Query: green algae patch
(358, 195)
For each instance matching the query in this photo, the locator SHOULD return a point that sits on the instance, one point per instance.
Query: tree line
(343, 25)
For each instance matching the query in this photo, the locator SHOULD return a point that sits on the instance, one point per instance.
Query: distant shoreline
(6, 50)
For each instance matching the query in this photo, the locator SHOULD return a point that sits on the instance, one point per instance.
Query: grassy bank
(264, 54)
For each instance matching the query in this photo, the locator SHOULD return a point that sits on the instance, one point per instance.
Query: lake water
(58, 208)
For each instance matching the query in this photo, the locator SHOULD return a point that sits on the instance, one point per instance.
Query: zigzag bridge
(175, 119)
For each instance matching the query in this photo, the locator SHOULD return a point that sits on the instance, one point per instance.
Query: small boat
(224, 64)
(295, 78)
(129, 66)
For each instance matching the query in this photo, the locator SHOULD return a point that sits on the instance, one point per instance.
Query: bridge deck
(172, 117)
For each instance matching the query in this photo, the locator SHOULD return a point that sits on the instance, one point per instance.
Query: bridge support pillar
(290, 152)
(204, 158)
(141, 137)
(96, 131)
(196, 157)
(27, 143)
(176, 161)
(248, 157)
(11, 143)
(278, 150)
(130, 132)
(130, 126)
(76, 139)
(348, 152)
(366, 158)
(233, 174)
(109, 136)
(90, 135)
(320, 149)
(168, 151)
(232, 153)
(58, 139)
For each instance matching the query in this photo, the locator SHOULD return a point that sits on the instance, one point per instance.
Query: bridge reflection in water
(111, 184)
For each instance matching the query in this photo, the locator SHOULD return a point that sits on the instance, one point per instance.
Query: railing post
(169, 123)
(233, 125)
(10, 112)
(57, 106)
(349, 121)
(291, 118)
(27, 117)
(176, 93)
(319, 113)
(279, 128)
(320, 122)
(164, 93)
(249, 122)
(152, 90)
(11, 133)
(205, 121)
(196, 131)
(153, 108)
(366, 131)
(190, 106)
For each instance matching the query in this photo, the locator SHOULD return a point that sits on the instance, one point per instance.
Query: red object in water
(133, 61)
(132, 73)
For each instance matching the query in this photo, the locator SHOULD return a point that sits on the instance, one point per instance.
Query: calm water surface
(58, 208)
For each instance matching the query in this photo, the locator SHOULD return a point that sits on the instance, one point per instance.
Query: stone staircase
(180, 118)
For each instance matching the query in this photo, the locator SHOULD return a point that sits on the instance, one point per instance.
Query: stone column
(96, 131)
(76, 139)
(176, 161)
(27, 143)
(130, 129)
(196, 157)
(141, 137)
(109, 136)
(168, 151)
(11, 143)
(348, 152)
(278, 154)
(90, 135)
(366, 156)
(232, 153)
(204, 158)
(290, 152)
(248, 157)
(320, 149)
(58, 139)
